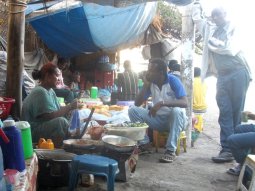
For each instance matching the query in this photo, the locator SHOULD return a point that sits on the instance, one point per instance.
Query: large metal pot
(118, 143)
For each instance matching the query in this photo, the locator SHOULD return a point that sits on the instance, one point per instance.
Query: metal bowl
(118, 143)
(134, 133)
(81, 143)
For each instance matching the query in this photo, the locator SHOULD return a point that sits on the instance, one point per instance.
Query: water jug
(43, 144)
(93, 92)
(26, 138)
(13, 151)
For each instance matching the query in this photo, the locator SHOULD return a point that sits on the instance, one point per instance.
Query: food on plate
(137, 124)
(82, 142)
(105, 107)
(117, 107)
(103, 112)
(126, 124)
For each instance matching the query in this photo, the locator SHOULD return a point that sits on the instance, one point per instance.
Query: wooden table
(28, 180)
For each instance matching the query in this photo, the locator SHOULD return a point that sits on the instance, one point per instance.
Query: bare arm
(182, 102)
(140, 97)
(251, 116)
(61, 112)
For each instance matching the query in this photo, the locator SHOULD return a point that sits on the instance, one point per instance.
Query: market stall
(28, 181)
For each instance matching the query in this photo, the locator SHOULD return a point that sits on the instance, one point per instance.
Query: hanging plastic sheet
(87, 27)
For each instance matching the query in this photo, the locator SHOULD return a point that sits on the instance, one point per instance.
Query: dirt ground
(193, 170)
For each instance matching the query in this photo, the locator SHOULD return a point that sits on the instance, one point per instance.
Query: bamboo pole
(188, 39)
(15, 50)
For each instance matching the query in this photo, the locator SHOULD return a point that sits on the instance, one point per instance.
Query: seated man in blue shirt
(169, 100)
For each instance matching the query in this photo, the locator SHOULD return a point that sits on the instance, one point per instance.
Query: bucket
(26, 138)
(93, 92)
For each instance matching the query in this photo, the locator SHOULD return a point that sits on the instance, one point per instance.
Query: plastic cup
(93, 92)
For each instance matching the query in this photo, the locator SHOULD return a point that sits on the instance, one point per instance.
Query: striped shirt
(128, 85)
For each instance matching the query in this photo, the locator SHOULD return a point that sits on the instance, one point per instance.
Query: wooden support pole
(15, 50)
(188, 39)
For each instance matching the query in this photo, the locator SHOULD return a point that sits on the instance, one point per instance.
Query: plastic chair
(93, 164)
(159, 136)
(183, 139)
(246, 180)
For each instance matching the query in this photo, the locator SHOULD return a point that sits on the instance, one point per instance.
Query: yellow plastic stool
(158, 136)
(182, 139)
(248, 184)
(200, 122)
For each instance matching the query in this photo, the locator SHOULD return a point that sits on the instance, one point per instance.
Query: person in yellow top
(199, 93)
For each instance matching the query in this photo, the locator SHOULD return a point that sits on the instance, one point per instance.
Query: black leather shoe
(223, 157)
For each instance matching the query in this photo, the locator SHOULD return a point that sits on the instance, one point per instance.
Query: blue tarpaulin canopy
(87, 27)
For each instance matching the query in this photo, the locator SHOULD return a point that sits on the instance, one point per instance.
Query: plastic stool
(157, 136)
(182, 139)
(246, 180)
(93, 164)
(159, 139)
(199, 125)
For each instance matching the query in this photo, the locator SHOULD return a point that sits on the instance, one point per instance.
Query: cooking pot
(82, 146)
(81, 143)
(118, 143)
(54, 167)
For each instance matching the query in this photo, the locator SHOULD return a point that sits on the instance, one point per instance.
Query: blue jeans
(242, 141)
(174, 123)
(230, 97)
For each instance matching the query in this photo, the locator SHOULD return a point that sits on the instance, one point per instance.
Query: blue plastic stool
(93, 164)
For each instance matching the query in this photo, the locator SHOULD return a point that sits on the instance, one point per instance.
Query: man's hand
(75, 104)
(249, 115)
(155, 108)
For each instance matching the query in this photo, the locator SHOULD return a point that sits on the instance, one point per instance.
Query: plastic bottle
(50, 144)
(1, 165)
(13, 153)
(2, 180)
(26, 138)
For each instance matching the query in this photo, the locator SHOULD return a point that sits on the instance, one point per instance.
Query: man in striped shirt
(127, 83)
